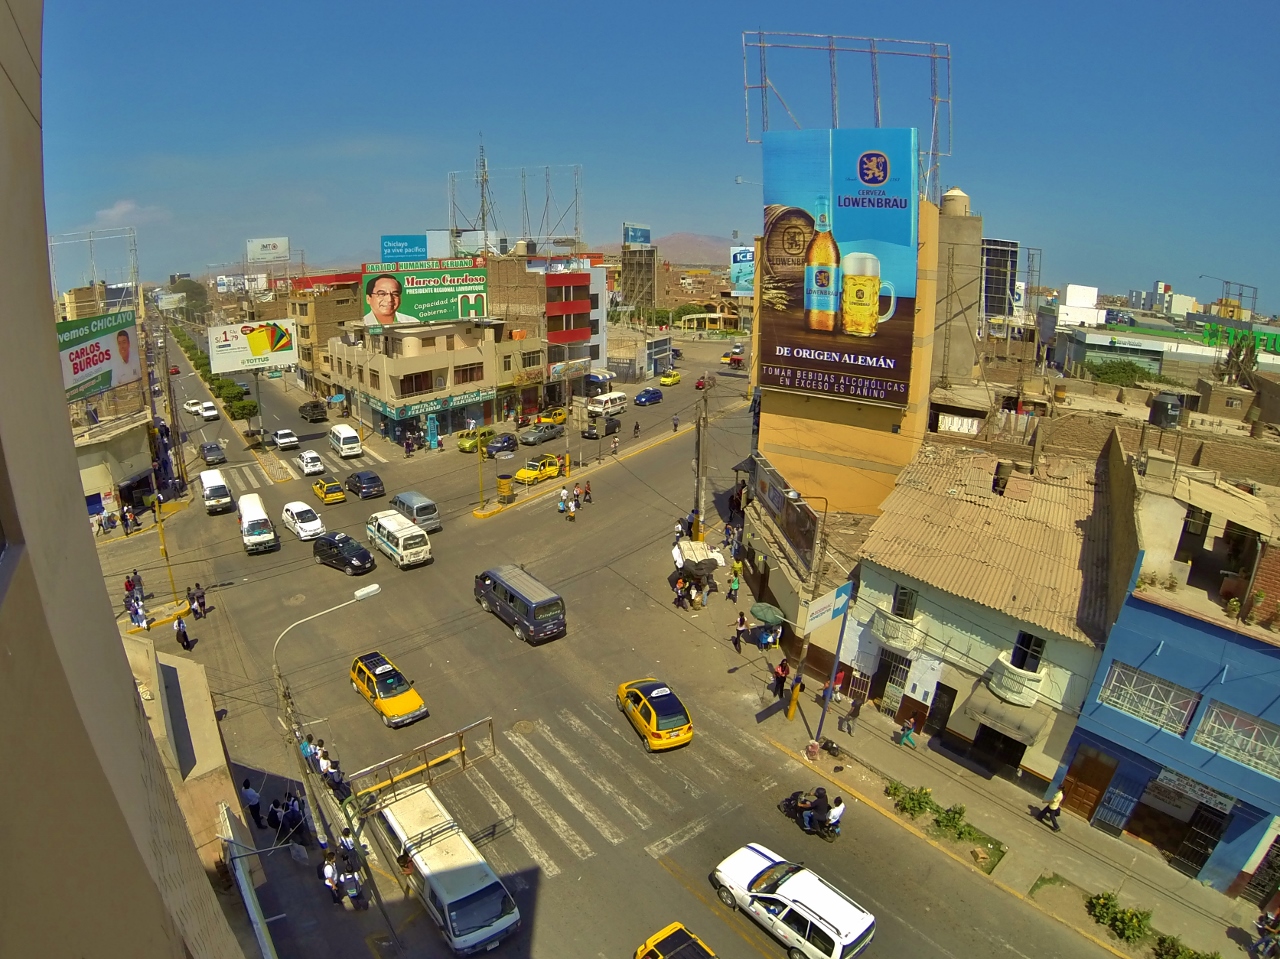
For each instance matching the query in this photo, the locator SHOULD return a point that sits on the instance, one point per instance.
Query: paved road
(611, 843)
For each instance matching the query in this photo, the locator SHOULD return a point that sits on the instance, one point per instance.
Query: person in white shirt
(383, 293)
(124, 361)
(837, 810)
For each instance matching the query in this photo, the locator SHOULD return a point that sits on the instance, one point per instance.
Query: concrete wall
(1126, 544)
(106, 865)
(1218, 399)
(960, 246)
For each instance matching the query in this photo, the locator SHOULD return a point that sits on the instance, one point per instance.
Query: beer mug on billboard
(860, 294)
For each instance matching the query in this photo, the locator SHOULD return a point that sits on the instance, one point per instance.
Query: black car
(364, 484)
(342, 552)
(212, 453)
(502, 443)
(314, 411)
(611, 425)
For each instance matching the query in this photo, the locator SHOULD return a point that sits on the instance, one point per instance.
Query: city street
(607, 843)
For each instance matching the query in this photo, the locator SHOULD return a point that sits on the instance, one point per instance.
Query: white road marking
(579, 801)
(645, 784)
(378, 457)
(235, 478)
(730, 755)
(293, 474)
(519, 830)
(251, 476)
(540, 806)
(606, 787)
(738, 734)
(682, 835)
(688, 784)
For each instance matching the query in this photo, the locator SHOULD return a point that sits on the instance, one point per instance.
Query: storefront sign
(438, 405)
(1196, 790)
(527, 377)
(569, 370)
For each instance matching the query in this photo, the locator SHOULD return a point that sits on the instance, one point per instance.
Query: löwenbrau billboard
(838, 284)
(426, 291)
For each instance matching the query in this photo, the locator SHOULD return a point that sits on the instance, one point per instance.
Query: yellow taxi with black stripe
(674, 942)
(656, 712)
(329, 490)
(392, 696)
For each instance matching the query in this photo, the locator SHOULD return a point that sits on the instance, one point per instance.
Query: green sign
(274, 374)
(426, 291)
(99, 353)
(430, 406)
(1219, 334)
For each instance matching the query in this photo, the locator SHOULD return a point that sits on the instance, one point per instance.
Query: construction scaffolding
(549, 227)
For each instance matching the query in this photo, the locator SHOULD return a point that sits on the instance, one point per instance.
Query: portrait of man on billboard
(383, 293)
(125, 366)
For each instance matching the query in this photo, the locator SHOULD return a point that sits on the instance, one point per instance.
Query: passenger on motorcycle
(837, 810)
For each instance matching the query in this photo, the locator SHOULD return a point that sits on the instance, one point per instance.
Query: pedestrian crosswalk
(562, 785)
(247, 477)
(334, 465)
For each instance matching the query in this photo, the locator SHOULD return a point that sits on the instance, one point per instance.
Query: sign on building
(637, 235)
(271, 249)
(403, 247)
(426, 291)
(742, 270)
(827, 608)
(171, 301)
(253, 346)
(99, 353)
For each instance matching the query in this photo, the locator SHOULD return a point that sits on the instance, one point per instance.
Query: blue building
(1178, 741)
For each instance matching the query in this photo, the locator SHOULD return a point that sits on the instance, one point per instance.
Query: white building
(981, 611)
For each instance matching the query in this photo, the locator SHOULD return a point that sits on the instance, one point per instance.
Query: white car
(303, 520)
(192, 406)
(285, 439)
(310, 463)
(208, 411)
(803, 911)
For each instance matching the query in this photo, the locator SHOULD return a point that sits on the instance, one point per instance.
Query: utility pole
(700, 464)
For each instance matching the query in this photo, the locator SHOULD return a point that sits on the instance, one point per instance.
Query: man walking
(199, 595)
(254, 803)
(1053, 811)
(849, 720)
(675, 424)
(180, 631)
(137, 584)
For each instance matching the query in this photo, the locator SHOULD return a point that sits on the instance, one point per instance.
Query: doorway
(996, 751)
(1206, 828)
(1087, 780)
(890, 681)
(944, 699)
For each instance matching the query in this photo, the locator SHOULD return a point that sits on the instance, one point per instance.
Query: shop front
(561, 380)
(450, 413)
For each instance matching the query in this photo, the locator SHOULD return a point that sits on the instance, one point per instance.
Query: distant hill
(685, 249)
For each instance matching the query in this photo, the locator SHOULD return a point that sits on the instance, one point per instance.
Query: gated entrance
(1207, 827)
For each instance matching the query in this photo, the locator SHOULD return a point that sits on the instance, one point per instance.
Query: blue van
(533, 611)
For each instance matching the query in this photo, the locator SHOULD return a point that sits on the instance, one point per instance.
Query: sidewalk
(1086, 857)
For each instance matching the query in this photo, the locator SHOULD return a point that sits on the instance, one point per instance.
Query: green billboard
(426, 291)
(99, 353)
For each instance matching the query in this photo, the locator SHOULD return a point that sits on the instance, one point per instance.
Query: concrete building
(1177, 354)
(1161, 299)
(320, 305)
(440, 375)
(958, 325)
(1178, 742)
(107, 867)
(982, 606)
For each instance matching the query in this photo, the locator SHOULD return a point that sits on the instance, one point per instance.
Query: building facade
(319, 305)
(958, 323)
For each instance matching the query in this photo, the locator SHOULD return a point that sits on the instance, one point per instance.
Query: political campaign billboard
(742, 270)
(838, 263)
(426, 291)
(253, 346)
(99, 353)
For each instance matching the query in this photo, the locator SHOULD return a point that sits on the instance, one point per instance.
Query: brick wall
(1267, 580)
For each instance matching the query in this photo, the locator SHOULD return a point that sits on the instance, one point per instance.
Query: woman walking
(780, 674)
(732, 595)
(740, 628)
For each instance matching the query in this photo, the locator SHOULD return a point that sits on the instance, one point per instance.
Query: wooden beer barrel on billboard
(787, 232)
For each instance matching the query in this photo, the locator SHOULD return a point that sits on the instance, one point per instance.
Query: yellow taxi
(556, 414)
(727, 357)
(674, 942)
(670, 378)
(656, 713)
(392, 696)
(545, 466)
(329, 490)
(471, 440)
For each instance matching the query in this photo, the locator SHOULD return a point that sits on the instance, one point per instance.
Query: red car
(173, 371)
(701, 384)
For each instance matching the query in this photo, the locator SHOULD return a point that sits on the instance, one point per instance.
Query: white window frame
(1149, 698)
(1241, 737)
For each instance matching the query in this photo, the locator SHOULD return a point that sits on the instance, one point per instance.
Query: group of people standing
(134, 600)
(285, 816)
(570, 503)
(318, 759)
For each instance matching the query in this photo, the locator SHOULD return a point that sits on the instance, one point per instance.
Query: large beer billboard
(838, 283)
(426, 291)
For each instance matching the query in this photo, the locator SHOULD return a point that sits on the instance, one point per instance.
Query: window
(375, 380)
(904, 602)
(304, 309)
(1233, 402)
(595, 301)
(472, 373)
(1240, 736)
(304, 354)
(1027, 653)
(1149, 697)
(820, 941)
(797, 922)
(595, 327)
(304, 332)
(360, 375)
(528, 360)
(555, 294)
(556, 354)
(506, 363)
(595, 351)
(348, 369)
(343, 302)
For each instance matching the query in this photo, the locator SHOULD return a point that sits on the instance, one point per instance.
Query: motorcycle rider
(837, 810)
(817, 807)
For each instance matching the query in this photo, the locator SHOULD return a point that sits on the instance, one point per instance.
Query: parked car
(502, 443)
(310, 463)
(342, 552)
(314, 411)
(192, 406)
(648, 396)
(245, 388)
(471, 440)
(285, 439)
(541, 433)
(212, 454)
(365, 483)
(611, 425)
(302, 520)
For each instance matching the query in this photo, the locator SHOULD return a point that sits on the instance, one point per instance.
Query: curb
(944, 850)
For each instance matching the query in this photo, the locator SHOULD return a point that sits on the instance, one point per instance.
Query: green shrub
(1103, 906)
(242, 409)
(1130, 925)
(1171, 947)
(916, 802)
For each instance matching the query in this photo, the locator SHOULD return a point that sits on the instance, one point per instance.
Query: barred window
(1149, 697)
(1240, 736)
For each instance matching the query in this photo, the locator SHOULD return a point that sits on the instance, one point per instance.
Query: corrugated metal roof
(1225, 502)
(1041, 559)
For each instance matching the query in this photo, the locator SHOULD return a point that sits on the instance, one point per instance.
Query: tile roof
(1039, 555)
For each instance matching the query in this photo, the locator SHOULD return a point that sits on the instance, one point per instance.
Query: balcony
(1014, 685)
(900, 635)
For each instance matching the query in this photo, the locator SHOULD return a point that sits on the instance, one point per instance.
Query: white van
(215, 492)
(401, 539)
(256, 530)
(468, 902)
(345, 441)
(606, 404)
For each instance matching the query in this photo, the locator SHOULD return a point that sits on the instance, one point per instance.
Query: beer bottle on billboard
(821, 272)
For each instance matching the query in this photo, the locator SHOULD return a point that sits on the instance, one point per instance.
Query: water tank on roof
(955, 202)
(1165, 409)
(522, 248)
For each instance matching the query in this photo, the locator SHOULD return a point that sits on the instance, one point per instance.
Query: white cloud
(127, 213)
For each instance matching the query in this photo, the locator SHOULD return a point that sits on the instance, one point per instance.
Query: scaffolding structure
(550, 226)
(763, 88)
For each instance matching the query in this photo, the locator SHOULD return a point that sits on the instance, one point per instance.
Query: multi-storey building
(320, 305)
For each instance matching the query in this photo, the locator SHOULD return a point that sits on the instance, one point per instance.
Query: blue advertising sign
(742, 270)
(404, 246)
(840, 237)
(635, 234)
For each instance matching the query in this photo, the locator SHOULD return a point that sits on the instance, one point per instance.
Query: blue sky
(1131, 141)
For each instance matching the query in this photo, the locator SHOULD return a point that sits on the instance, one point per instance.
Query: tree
(197, 295)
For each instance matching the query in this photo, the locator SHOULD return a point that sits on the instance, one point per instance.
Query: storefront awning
(601, 376)
(1023, 723)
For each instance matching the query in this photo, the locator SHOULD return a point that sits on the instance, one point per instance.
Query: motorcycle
(791, 808)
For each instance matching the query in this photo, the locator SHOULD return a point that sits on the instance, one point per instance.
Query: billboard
(269, 249)
(404, 246)
(171, 301)
(636, 234)
(742, 270)
(839, 263)
(426, 291)
(230, 283)
(99, 353)
(253, 346)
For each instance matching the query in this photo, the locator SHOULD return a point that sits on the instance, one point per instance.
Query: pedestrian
(273, 816)
(732, 595)
(835, 692)
(740, 628)
(128, 588)
(850, 719)
(137, 584)
(98, 526)
(688, 522)
(908, 729)
(1052, 810)
(329, 873)
(191, 603)
(124, 520)
(573, 510)
(564, 497)
(130, 520)
(614, 446)
(679, 529)
(635, 433)
(347, 847)
(408, 447)
(180, 630)
(254, 802)
(728, 536)
(780, 674)
(825, 695)
(577, 495)
(316, 749)
(199, 593)
(323, 764)
(307, 746)
(586, 492)
(675, 423)
(678, 588)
